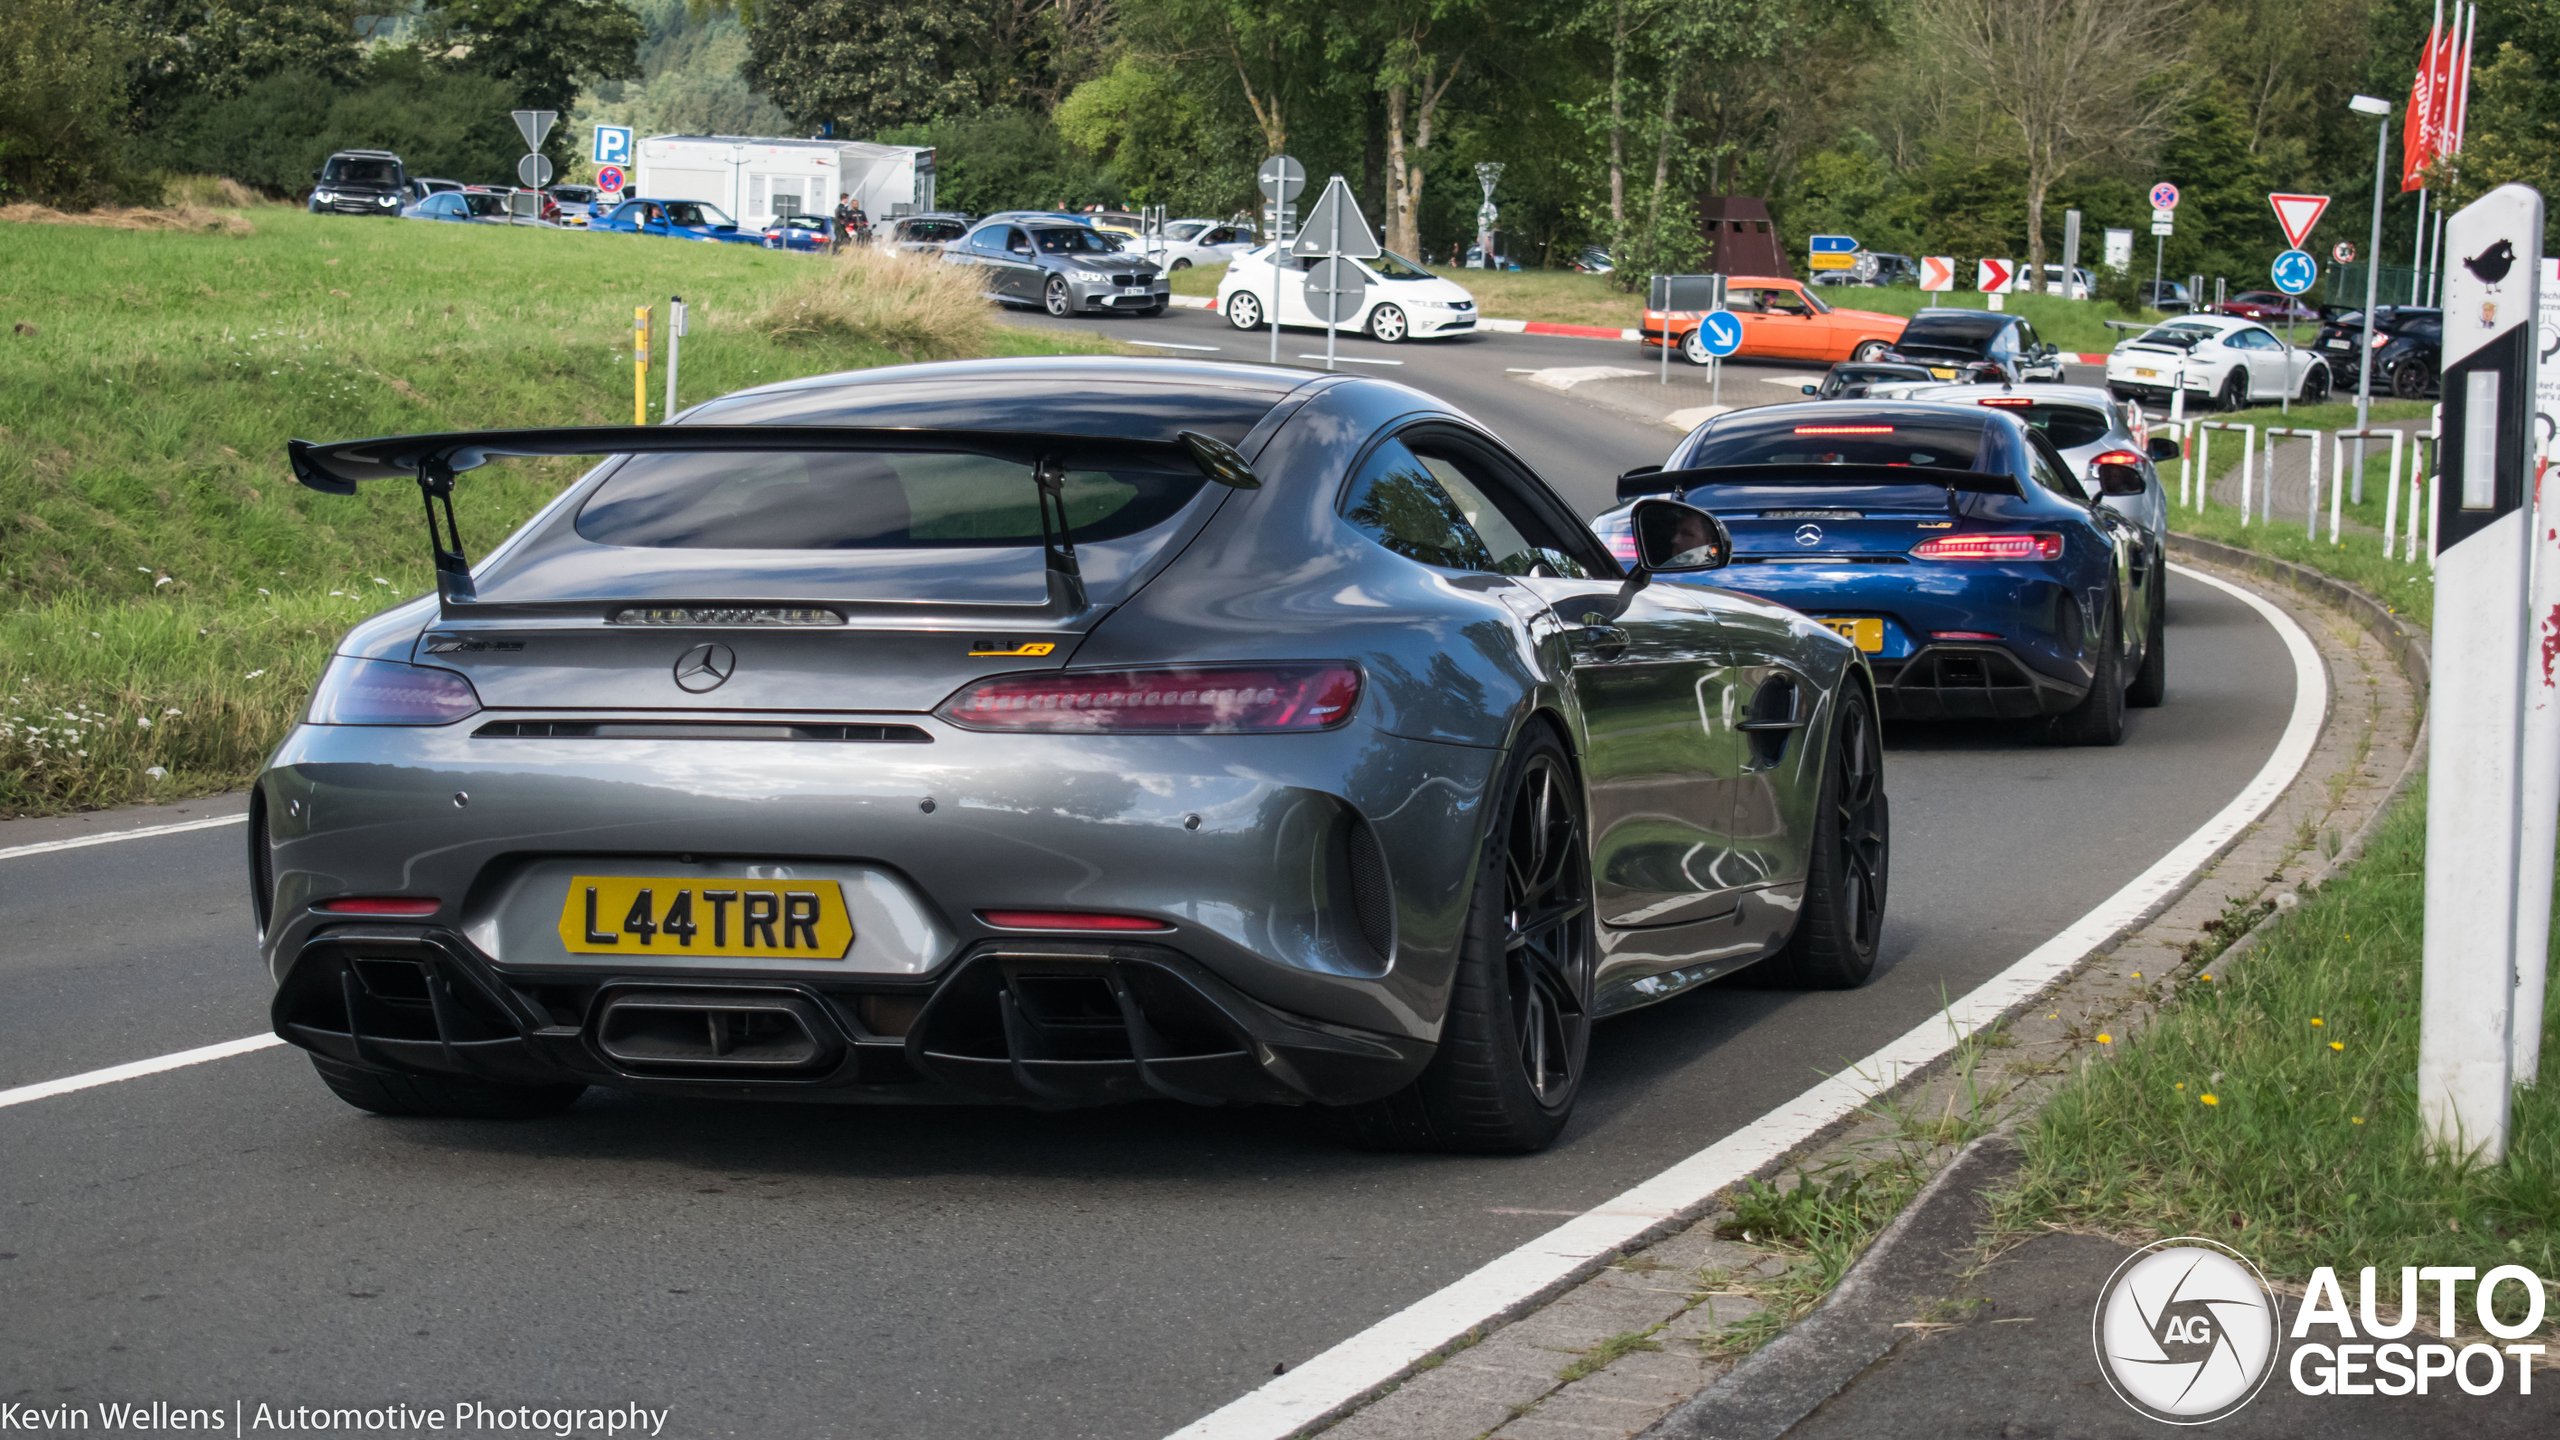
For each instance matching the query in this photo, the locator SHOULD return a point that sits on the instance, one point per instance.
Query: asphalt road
(231, 1231)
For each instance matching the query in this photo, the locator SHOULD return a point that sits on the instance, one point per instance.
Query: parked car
(808, 234)
(1782, 320)
(2080, 283)
(2169, 297)
(573, 205)
(1298, 772)
(676, 220)
(1065, 269)
(420, 187)
(1593, 260)
(2269, 307)
(1853, 379)
(1475, 260)
(471, 207)
(2408, 351)
(929, 233)
(1399, 300)
(1204, 243)
(358, 182)
(1952, 544)
(2217, 359)
(1977, 346)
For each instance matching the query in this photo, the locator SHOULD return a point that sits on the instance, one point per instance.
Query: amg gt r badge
(705, 667)
(1808, 534)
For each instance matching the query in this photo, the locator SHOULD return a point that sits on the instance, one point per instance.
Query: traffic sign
(1937, 272)
(1831, 244)
(1336, 226)
(613, 145)
(1281, 178)
(2164, 196)
(1831, 260)
(1995, 277)
(609, 178)
(2343, 252)
(2163, 217)
(2297, 214)
(1719, 333)
(534, 170)
(2162, 227)
(533, 125)
(2295, 271)
(1335, 288)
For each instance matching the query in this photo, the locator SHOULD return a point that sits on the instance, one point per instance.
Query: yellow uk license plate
(648, 917)
(1943, 372)
(1866, 633)
(2146, 374)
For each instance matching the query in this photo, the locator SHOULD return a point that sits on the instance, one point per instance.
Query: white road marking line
(1565, 377)
(1336, 1379)
(1169, 345)
(1790, 379)
(111, 837)
(46, 1090)
(1352, 360)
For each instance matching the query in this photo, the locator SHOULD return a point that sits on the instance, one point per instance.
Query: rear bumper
(1969, 681)
(1040, 1022)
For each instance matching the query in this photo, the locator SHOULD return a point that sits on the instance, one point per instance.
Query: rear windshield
(1969, 334)
(872, 500)
(2067, 426)
(348, 170)
(932, 229)
(1934, 443)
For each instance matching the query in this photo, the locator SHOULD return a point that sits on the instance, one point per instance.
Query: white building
(755, 178)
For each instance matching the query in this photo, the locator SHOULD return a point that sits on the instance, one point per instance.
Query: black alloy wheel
(1849, 870)
(2315, 383)
(2099, 717)
(2409, 380)
(2235, 394)
(1061, 302)
(1518, 1028)
(2151, 682)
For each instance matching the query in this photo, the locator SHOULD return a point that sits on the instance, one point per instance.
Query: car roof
(1118, 397)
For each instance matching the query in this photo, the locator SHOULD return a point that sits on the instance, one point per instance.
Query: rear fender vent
(262, 860)
(1373, 897)
(1774, 720)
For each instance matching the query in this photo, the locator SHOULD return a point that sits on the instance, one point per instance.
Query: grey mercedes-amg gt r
(1053, 731)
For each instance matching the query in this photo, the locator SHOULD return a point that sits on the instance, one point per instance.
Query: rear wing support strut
(453, 568)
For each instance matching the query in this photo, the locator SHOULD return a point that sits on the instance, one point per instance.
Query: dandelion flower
(2208, 1100)
(2181, 1085)
(2337, 1044)
(2137, 974)
(2204, 977)
(2355, 1119)
(2106, 1039)
(2316, 1020)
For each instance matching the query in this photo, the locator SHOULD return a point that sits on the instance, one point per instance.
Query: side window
(1396, 501)
(1017, 241)
(1519, 540)
(2051, 472)
(2026, 337)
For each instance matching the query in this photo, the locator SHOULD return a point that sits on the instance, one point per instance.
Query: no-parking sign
(609, 178)
(2164, 196)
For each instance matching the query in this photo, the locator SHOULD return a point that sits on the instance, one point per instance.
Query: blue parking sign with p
(613, 144)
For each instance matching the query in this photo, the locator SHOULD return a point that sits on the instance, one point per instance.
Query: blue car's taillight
(1991, 547)
(387, 692)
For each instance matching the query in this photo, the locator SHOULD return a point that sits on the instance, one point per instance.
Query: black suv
(1976, 345)
(2407, 354)
(359, 182)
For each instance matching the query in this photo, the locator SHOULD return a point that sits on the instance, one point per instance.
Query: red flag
(2424, 124)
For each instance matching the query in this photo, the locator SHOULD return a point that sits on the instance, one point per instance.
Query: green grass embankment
(156, 555)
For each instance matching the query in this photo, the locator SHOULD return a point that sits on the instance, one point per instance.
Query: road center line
(145, 833)
(1169, 345)
(1337, 1378)
(134, 1070)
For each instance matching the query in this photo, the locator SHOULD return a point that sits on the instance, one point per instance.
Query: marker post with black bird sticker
(2476, 800)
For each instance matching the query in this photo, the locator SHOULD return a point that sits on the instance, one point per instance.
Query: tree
(183, 49)
(1421, 46)
(2069, 80)
(541, 49)
(62, 90)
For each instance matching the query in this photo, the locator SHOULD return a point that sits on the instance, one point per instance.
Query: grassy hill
(155, 554)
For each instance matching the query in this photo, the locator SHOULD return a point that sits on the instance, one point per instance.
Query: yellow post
(640, 365)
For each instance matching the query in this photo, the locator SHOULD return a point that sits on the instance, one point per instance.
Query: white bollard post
(2248, 465)
(2475, 801)
(2202, 448)
(2540, 744)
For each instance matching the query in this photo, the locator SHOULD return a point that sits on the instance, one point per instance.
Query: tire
(2234, 395)
(1693, 347)
(2151, 683)
(1178, 265)
(1869, 351)
(1850, 869)
(1387, 325)
(2315, 383)
(2409, 380)
(1517, 1032)
(1244, 310)
(442, 1096)
(2099, 717)
(1056, 297)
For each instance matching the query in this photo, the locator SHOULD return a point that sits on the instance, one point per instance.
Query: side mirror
(1643, 481)
(1811, 389)
(315, 174)
(2162, 448)
(2118, 480)
(1675, 538)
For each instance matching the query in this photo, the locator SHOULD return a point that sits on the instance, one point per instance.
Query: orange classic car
(1782, 320)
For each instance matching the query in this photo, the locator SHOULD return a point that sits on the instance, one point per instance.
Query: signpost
(1667, 293)
(675, 332)
(1280, 179)
(612, 147)
(1831, 252)
(534, 170)
(609, 180)
(2480, 788)
(2164, 210)
(1719, 334)
(2541, 701)
(1937, 272)
(1335, 287)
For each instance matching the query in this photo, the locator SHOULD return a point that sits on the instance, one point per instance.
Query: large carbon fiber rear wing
(1637, 483)
(433, 461)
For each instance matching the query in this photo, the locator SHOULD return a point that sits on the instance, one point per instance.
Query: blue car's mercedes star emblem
(1808, 534)
(705, 667)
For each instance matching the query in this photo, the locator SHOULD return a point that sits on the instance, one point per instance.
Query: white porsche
(1400, 300)
(2221, 359)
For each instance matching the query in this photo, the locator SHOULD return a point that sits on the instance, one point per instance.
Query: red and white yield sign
(1937, 272)
(2297, 214)
(1995, 277)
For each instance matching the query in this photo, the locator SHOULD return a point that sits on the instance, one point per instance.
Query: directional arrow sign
(1336, 226)
(1719, 333)
(2297, 214)
(1937, 272)
(1832, 244)
(2295, 271)
(1995, 277)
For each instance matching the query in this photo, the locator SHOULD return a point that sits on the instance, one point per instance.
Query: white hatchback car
(2222, 358)
(1400, 300)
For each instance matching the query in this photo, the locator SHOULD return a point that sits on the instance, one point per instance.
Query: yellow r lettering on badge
(998, 647)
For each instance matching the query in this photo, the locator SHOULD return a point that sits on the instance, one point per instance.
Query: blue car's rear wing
(338, 467)
(1636, 483)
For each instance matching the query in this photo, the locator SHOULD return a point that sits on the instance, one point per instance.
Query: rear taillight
(1068, 920)
(1991, 547)
(2008, 400)
(1962, 635)
(1226, 700)
(410, 906)
(2118, 457)
(387, 692)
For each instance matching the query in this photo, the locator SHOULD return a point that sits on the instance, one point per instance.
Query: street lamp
(2380, 110)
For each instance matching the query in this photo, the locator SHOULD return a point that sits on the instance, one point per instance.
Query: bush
(1004, 160)
(914, 305)
(62, 92)
(273, 134)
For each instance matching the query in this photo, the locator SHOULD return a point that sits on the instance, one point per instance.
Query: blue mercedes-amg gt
(1951, 543)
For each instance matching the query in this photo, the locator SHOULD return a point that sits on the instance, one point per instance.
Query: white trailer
(755, 178)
